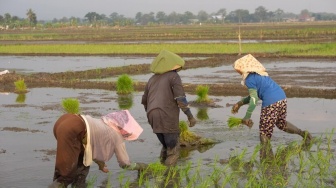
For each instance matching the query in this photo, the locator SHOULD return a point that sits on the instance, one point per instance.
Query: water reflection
(42, 107)
(125, 102)
(21, 98)
(186, 151)
(53, 64)
(4, 93)
(202, 114)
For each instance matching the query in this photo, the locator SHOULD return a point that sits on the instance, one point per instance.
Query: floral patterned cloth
(271, 116)
(248, 64)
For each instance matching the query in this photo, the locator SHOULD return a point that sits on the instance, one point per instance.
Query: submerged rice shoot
(234, 121)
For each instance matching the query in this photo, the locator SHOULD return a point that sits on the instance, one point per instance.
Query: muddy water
(52, 64)
(27, 143)
(27, 149)
(289, 72)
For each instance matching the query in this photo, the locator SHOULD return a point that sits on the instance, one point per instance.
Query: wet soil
(291, 82)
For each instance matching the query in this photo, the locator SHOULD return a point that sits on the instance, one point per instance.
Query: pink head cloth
(126, 124)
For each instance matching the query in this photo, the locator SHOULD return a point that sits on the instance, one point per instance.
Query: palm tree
(279, 12)
(31, 16)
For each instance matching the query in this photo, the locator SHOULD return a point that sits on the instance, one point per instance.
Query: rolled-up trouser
(69, 131)
(170, 145)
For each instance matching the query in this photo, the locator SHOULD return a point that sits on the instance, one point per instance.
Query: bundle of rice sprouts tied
(234, 122)
(71, 105)
(188, 138)
(186, 135)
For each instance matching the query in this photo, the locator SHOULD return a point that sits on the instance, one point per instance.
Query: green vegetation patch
(288, 49)
(234, 121)
(71, 105)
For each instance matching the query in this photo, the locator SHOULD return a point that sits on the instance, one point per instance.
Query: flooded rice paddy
(314, 73)
(27, 149)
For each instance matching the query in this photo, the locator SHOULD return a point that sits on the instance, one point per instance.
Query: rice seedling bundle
(202, 93)
(186, 135)
(20, 86)
(71, 105)
(124, 84)
(234, 121)
(191, 138)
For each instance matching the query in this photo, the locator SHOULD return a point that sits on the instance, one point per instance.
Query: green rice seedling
(91, 181)
(171, 177)
(71, 105)
(20, 86)
(157, 168)
(190, 138)
(121, 178)
(185, 172)
(127, 183)
(202, 93)
(186, 135)
(216, 176)
(109, 183)
(141, 178)
(124, 84)
(234, 121)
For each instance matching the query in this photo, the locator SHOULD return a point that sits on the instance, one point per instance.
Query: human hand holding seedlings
(235, 107)
(192, 121)
(104, 168)
(247, 122)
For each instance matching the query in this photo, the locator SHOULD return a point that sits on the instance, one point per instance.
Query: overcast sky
(49, 9)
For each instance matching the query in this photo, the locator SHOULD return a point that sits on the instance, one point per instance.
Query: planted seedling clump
(125, 84)
(202, 94)
(20, 86)
(188, 138)
(71, 105)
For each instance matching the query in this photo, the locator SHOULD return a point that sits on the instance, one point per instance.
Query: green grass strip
(294, 49)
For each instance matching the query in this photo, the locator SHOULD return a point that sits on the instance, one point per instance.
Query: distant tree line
(93, 19)
(8, 21)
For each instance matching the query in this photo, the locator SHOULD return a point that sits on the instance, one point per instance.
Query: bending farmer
(82, 139)
(274, 103)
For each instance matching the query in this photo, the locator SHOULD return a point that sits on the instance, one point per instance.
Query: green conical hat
(166, 61)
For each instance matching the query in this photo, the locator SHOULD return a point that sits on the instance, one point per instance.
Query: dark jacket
(160, 101)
